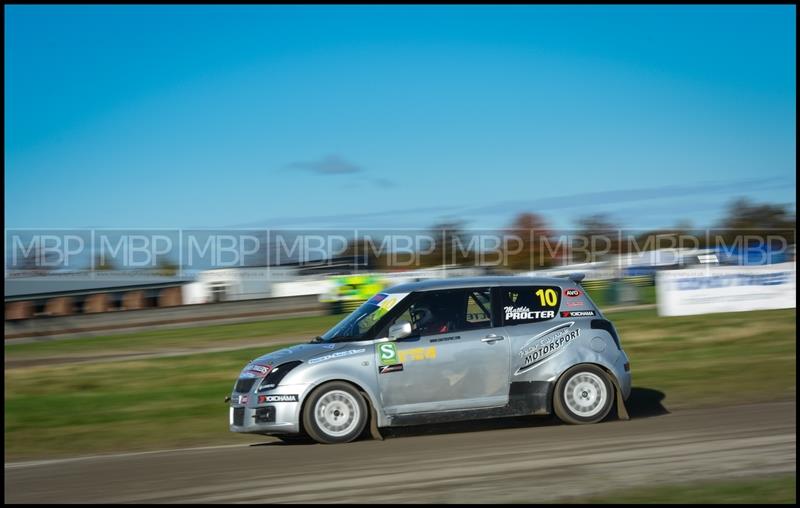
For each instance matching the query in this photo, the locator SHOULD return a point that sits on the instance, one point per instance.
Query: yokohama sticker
(578, 313)
(276, 398)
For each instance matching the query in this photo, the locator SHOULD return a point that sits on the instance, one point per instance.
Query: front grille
(244, 384)
(238, 416)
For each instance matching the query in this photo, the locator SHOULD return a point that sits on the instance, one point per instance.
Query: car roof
(468, 282)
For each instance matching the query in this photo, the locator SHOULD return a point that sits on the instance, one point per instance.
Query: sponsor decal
(547, 332)
(276, 398)
(329, 346)
(377, 298)
(417, 354)
(338, 354)
(733, 279)
(577, 313)
(386, 369)
(576, 303)
(572, 292)
(446, 339)
(242, 399)
(546, 345)
(391, 300)
(256, 370)
(388, 353)
(525, 313)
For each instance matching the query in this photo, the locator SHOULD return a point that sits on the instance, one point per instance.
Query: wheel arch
(372, 412)
(622, 411)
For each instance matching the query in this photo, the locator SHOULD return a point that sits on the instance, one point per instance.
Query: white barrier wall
(193, 292)
(725, 289)
(299, 288)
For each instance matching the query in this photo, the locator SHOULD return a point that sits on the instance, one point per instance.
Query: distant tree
(366, 254)
(36, 261)
(744, 217)
(450, 246)
(532, 246)
(165, 267)
(599, 237)
(682, 235)
(743, 214)
(103, 264)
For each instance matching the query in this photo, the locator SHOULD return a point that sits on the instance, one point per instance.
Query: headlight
(276, 375)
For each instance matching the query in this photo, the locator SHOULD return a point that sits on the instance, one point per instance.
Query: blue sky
(394, 116)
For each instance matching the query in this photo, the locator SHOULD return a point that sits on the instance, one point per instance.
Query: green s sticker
(388, 353)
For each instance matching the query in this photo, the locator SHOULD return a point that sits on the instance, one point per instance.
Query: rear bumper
(623, 375)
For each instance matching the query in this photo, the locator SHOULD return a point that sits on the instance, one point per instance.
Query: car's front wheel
(334, 413)
(583, 394)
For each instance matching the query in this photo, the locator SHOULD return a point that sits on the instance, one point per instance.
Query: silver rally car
(441, 350)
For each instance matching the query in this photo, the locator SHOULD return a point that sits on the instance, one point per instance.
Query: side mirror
(399, 330)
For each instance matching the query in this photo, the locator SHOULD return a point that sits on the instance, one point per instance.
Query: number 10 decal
(548, 297)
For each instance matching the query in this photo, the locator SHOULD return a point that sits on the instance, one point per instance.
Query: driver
(431, 319)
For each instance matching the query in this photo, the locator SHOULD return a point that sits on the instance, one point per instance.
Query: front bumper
(278, 414)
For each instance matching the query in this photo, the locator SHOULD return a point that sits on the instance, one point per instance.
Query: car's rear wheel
(335, 413)
(583, 394)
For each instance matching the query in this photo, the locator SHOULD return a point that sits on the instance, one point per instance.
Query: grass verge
(153, 341)
(760, 490)
(79, 409)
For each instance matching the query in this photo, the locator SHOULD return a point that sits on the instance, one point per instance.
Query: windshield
(360, 323)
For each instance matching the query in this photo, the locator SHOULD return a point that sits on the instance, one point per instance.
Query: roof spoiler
(575, 277)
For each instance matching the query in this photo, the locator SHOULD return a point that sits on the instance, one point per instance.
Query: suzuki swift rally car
(441, 350)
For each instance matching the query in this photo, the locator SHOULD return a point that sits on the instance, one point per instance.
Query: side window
(529, 304)
(479, 309)
(437, 312)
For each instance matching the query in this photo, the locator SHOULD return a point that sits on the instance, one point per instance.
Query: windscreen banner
(725, 289)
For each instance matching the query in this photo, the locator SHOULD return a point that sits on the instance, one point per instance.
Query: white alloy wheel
(585, 394)
(337, 413)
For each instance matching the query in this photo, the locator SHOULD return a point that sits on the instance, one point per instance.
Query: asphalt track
(529, 459)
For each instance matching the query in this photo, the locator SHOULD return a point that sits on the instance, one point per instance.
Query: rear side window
(479, 305)
(529, 304)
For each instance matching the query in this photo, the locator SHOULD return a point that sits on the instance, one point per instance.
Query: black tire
(321, 423)
(583, 394)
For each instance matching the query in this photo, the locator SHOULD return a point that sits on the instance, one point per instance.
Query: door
(454, 358)
(535, 328)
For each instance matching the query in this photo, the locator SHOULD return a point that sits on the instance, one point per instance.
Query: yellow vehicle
(350, 291)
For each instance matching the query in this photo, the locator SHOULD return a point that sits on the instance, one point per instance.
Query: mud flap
(622, 411)
(373, 420)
